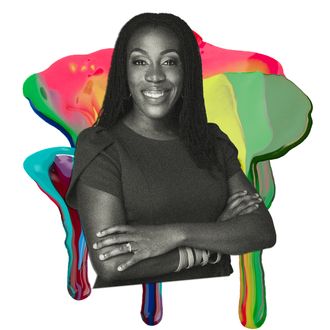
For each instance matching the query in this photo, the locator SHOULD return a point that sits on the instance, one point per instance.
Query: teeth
(153, 94)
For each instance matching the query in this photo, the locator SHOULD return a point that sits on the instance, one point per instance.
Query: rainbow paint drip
(246, 94)
(51, 169)
(152, 307)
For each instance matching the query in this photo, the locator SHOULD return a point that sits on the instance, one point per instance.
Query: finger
(243, 199)
(235, 195)
(245, 204)
(240, 194)
(114, 229)
(249, 209)
(117, 250)
(112, 240)
(134, 260)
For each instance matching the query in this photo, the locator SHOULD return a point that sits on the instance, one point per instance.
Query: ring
(129, 247)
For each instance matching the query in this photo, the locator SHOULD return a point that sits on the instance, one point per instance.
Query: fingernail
(101, 256)
(256, 194)
(120, 268)
(99, 234)
(244, 191)
(260, 199)
(256, 205)
(95, 246)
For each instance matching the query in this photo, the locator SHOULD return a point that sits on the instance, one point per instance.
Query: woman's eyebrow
(170, 50)
(138, 50)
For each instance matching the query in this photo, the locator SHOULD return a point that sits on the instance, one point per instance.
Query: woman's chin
(157, 112)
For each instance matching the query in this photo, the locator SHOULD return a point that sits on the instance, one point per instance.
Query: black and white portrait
(159, 188)
(159, 191)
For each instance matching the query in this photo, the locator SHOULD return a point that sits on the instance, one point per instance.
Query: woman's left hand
(144, 241)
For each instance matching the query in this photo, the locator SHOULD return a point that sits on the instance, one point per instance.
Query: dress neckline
(144, 137)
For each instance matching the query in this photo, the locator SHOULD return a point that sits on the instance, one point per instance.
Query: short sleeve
(227, 149)
(230, 153)
(96, 162)
(104, 172)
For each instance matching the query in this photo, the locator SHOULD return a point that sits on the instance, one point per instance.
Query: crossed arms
(245, 225)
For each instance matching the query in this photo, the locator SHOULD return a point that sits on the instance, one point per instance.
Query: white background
(34, 34)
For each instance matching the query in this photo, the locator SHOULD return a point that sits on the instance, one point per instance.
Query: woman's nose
(155, 74)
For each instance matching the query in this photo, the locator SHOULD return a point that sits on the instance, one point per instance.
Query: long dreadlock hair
(190, 108)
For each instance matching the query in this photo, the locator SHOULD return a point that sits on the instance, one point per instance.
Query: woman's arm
(242, 233)
(98, 210)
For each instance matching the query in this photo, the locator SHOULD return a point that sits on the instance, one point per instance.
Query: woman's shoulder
(90, 143)
(216, 131)
(93, 140)
(94, 135)
(226, 146)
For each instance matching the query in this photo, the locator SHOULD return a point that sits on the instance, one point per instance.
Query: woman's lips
(154, 94)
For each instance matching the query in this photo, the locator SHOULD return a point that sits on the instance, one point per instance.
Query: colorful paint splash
(246, 94)
(265, 116)
(152, 307)
(51, 169)
(69, 94)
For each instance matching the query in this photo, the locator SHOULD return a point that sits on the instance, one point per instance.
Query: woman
(160, 192)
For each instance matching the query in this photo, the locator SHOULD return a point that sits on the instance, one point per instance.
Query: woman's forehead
(150, 37)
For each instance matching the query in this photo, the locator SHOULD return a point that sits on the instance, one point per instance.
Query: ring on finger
(129, 246)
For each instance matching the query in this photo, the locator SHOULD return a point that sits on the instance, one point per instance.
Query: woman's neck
(153, 128)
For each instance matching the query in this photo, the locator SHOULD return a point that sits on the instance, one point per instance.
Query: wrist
(176, 233)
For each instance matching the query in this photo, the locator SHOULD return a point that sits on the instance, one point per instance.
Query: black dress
(157, 182)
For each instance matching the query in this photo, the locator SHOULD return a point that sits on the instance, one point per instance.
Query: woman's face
(154, 72)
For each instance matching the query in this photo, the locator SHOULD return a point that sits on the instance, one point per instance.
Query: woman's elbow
(272, 237)
(261, 235)
(269, 239)
(258, 241)
(266, 236)
(107, 269)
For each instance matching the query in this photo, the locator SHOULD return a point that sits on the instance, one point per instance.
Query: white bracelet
(191, 259)
(182, 260)
(198, 257)
(216, 260)
(206, 255)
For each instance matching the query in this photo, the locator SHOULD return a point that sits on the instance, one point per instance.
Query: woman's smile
(154, 73)
(155, 94)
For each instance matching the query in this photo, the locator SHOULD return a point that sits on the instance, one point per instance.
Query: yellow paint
(83, 68)
(94, 114)
(221, 108)
(92, 67)
(251, 298)
(73, 67)
(88, 88)
(99, 87)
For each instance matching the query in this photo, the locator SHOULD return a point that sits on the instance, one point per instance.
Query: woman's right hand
(240, 203)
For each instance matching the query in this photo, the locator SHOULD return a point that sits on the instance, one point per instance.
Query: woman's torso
(160, 184)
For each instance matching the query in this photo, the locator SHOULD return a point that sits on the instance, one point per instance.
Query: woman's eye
(170, 62)
(139, 62)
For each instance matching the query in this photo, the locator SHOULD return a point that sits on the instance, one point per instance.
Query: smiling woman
(159, 191)
(155, 75)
